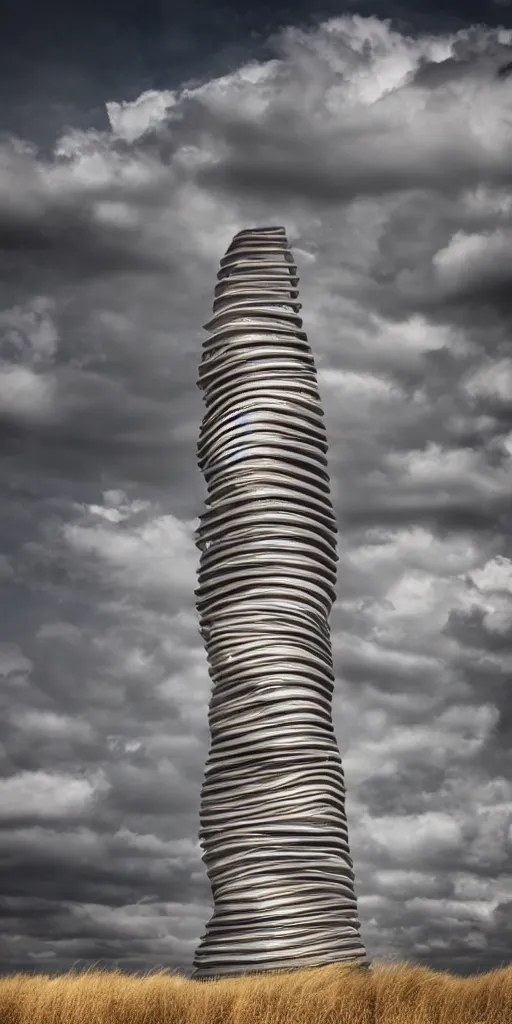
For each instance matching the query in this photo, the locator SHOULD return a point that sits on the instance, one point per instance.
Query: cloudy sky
(135, 142)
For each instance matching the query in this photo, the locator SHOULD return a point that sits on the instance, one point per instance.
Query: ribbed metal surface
(273, 825)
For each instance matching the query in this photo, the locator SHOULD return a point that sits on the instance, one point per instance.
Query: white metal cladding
(273, 825)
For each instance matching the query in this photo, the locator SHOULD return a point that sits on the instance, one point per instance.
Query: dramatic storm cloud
(388, 158)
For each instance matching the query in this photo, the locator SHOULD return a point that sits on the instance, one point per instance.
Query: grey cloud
(70, 244)
(277, 167)
(467, 55)
(288, 153)
(505, 69)
(472, 630)
(73, 228)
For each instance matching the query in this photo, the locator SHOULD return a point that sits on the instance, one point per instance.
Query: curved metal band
(273, 825)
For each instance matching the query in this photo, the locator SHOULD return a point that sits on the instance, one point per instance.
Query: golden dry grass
(396, 994)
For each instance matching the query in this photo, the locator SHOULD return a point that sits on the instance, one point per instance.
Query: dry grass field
(390, 994)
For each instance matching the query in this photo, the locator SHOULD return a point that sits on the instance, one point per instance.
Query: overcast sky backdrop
(136, 140)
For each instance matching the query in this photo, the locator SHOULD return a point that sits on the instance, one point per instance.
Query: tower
(273, 824)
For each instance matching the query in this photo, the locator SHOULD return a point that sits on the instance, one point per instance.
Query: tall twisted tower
(273, 825)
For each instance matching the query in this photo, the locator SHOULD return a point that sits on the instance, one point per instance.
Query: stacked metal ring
(273, 825)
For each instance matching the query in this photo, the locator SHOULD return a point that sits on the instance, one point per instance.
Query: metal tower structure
(273, 825)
